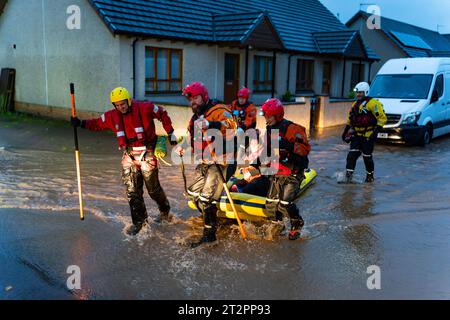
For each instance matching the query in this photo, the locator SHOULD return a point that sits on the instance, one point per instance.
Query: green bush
(352, 95)
(287, 97)
(3, 103)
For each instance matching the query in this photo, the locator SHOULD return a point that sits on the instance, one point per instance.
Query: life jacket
(293, 162)
(198, 143)
(213, 113)
(296, 134)
(361, 117)
(129, 129)
(136, 129)
(242, 112)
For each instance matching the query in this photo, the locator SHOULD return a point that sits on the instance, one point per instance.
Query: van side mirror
(434, 96)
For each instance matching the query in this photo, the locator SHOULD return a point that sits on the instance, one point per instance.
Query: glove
(202, 124)
(286, 145)
(179, 150)
(345, 136)
(284, 155)
(349, 136)
(75, 122)
(173, 140)
(376, 131)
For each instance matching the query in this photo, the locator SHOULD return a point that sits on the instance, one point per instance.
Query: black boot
(349, 176)
(163, 216)
(278, 216)
(162, 201)
(369, 177)
(134, 229)
(296, 229)
(209, 237)
(163, 206)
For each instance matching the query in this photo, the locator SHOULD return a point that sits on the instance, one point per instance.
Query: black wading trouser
(283, 192)
(361, 145)
(206, 191)
(134, 177)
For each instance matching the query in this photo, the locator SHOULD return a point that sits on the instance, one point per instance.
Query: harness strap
(356, 111)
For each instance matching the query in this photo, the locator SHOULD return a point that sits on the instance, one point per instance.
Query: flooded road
(401, 224)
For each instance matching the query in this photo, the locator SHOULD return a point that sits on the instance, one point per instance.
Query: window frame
(312, 66)
(361, 74)
(442, 87)
(155, 80)
(268, 75)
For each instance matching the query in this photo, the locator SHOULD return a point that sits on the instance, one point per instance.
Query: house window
(262, 74)
(305, 75)
(163, 69)
(357, 74)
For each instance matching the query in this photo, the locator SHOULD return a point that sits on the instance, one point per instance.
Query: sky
(423, 13)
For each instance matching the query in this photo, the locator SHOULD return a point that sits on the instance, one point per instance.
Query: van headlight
(412, 118)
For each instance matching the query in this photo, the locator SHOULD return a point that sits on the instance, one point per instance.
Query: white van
(415, 93)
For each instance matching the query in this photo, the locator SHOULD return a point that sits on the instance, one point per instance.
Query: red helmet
(195, 89)
(244, 93)
(273, 107)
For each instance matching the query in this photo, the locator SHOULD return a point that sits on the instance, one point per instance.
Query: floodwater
(401, 224)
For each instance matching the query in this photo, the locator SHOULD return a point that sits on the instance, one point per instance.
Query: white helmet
(362, 87)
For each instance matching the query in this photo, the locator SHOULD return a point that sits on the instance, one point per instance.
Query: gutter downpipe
(274, 66)
(370, 69)
(246, 65)
(343, 78)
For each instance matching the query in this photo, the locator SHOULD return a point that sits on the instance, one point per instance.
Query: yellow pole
(241, 227)
(77, 152)
(80, 192)
(224, 183)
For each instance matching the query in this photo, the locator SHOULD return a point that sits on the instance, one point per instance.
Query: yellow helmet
(120, 94)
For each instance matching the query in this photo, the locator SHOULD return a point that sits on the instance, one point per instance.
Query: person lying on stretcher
(252, 182)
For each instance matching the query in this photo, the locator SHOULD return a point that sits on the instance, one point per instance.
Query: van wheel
(427, 136)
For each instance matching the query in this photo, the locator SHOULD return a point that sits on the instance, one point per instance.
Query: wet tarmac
(401, 224)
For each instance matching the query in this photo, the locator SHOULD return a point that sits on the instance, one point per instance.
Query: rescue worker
(365, 119)
(133, 123)
(244, 111)
(289, 169)
(207, 187)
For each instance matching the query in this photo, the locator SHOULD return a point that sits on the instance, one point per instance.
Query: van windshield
(401, 86)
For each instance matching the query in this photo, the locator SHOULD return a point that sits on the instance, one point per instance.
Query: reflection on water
(357, 203)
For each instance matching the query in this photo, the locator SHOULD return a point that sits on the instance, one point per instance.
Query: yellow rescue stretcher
(251, 207)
